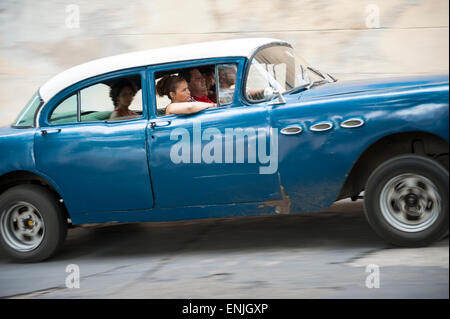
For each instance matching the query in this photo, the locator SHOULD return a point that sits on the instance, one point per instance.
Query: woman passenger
(122, 94)
(176, 89)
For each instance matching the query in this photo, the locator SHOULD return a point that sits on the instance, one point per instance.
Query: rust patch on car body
(283, 205)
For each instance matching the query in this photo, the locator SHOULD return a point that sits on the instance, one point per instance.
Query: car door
(98, 164)
(222, 155)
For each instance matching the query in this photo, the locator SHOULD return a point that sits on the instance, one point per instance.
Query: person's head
(174, 87)
(208, 74)
(227, 75)
(196, 82)
(122, 93)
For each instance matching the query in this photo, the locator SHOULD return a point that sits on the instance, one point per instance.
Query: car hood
(368, 85)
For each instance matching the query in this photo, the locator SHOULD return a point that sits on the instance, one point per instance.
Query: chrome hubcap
(22, 227)
(410, 202)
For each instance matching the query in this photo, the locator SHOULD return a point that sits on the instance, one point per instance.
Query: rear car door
(100, 165)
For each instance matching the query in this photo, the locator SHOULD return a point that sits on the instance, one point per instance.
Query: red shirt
(204, 98)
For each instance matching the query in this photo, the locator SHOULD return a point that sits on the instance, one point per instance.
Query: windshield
(280, 68)
(26, 117)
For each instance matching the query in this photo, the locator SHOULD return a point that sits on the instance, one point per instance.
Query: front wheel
(32, 223)
(406, 200)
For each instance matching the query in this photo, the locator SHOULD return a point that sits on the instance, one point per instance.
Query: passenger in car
(122, 94)
(227, 81)
(209, 75)
(197, 85)
(176, 89)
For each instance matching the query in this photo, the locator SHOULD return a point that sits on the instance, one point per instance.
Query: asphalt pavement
(331, 254)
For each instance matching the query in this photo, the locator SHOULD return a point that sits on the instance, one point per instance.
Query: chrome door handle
(291, 130)
(51, 131)
(154, 124)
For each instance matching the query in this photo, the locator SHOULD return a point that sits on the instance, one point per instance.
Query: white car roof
(226, 48)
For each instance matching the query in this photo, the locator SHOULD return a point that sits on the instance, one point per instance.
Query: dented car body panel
(323, 160)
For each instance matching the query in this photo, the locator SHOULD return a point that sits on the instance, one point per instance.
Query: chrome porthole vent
(321, 127)
(352, 123)
(290, 130)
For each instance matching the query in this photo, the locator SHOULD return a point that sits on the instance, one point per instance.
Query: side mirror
(270, 93)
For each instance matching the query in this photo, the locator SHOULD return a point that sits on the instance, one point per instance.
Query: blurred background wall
(350, 39)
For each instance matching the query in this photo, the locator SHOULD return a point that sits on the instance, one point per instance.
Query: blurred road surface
(322, 255)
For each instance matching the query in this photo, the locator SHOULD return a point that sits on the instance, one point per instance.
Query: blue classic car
(229, 128)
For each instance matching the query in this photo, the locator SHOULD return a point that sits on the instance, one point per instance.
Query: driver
(196, 84)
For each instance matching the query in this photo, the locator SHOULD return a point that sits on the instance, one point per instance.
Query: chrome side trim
(321, 127)
(352, 123)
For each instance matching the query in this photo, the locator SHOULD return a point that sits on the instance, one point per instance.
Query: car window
(226, 77)
(27, 116)
(278, 68)
(96, 99)
(97, 103)
(161, 104)
(202, 77)
(272, 67)
(258, 80)
(66, 111)
(101, 102)
(217, 85)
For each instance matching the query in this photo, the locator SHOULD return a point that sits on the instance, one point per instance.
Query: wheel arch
(415, 142)
(22, 177)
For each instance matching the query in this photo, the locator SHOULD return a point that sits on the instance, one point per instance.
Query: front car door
(222, 155)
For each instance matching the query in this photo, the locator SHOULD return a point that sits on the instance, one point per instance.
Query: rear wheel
(406, 200)
(32, 223)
